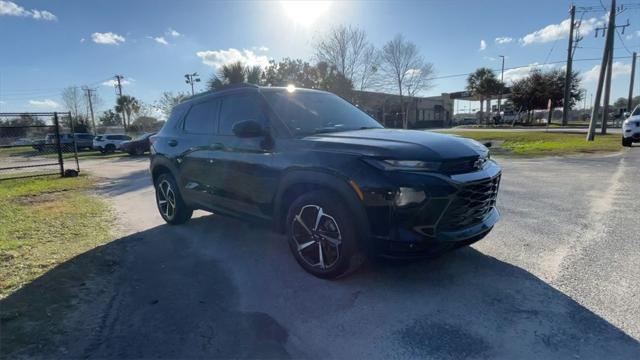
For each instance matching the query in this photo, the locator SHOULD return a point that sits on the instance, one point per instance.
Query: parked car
(83, 141)
(107, 143)
(631, 128)
(137, 146)
(324, 173)
(22, 142)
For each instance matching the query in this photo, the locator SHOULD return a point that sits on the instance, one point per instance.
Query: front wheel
(626, 142)
(322, 235)
(170, 204)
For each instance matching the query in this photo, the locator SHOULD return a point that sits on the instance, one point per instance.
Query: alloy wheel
(317, 237)
(166, 199)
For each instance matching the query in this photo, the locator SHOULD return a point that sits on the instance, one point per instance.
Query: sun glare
(305, 12)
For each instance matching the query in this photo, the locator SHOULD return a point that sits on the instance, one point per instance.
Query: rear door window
(202, 118)
(238, 108)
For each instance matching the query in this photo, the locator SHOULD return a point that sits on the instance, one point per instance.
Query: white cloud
(173, 33)
(113, 82)
(46, 103)
(483, 45)
(9, 8)
(503, 40)
(160, 40)
(555, 32)
(217, 58)
(260, 48)
(107, 38)
(82, 40)
(512, 75)
(618, 69)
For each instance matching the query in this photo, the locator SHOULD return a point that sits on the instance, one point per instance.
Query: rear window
(202, 118)
(98, 138)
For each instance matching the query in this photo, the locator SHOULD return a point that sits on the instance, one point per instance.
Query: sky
(46, 46)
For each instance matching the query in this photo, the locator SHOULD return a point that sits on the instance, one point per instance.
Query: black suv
(325, 173)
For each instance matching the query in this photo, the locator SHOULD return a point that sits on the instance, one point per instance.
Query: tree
(127, 105)
(235, 73)
(167, 101)
(299, 73)
(399, 60)
(621, 103)
(347, 49)
(110, 118)
(146, 124)
(534, 91)
(73, 100)
(483, 84)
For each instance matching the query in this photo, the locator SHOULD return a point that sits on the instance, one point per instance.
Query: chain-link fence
(36, 144)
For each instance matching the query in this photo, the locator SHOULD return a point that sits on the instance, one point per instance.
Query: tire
(110, 148)
(321, 234)
(627, 142)
(138, 151)
(173, 212)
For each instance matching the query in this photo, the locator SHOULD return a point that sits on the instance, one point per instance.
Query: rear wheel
(170, 204)
(138, 151)
(110, 148)
(322, 235)
(626, 141)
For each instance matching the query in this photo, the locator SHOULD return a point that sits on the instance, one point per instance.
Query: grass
(44, 222)
(537, 143)
(30, 152)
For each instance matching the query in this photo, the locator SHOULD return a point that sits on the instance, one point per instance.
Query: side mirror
(248, 129)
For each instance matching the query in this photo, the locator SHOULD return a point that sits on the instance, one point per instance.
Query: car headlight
(410, 165)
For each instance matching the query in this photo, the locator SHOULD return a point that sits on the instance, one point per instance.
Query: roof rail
(222, 88)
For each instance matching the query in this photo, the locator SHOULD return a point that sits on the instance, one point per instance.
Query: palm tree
(483, 83)
(235, 73)
(127, 105)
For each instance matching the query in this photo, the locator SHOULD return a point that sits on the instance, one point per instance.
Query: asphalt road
(559, 277)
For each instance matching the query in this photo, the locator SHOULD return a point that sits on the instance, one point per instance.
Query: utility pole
(607, 82)
(569, 74)
(190, 79)
(90, 99)
(501, 86)
(608, 47)
(118, 86)
(633, 75)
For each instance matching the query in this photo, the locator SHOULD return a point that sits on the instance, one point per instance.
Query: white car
(631, 128)
(109, 142)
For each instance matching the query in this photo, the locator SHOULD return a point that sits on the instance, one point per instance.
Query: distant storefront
(422, 112)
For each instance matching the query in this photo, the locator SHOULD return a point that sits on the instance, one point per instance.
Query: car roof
(239, 88)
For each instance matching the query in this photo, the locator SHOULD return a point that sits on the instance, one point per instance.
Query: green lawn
(44, 222)
(28, 152)
(538, 143)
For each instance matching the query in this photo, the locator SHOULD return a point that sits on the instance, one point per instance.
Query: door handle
(173, 142)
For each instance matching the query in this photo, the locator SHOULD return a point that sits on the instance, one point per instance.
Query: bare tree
(73, 100)
(167, 101)
(348, 49)
(402, 65)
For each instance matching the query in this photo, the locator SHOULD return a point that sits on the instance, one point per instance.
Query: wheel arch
(299, 182)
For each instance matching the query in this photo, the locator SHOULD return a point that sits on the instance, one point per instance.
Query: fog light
(408, 196)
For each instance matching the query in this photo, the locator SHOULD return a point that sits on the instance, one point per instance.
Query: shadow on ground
(217, 287)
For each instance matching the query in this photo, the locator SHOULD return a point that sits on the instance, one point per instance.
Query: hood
(401, 144)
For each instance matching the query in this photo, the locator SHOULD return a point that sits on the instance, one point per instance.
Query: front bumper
(461, 212)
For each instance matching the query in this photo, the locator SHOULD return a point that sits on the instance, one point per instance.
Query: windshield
(636, 111)
(307, 113)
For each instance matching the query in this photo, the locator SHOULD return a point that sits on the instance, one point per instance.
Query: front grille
(471, 205)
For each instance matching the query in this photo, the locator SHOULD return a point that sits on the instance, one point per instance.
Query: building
(422, 112)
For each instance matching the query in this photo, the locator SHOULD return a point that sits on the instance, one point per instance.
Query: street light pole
(190, 79)
(501, 86)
